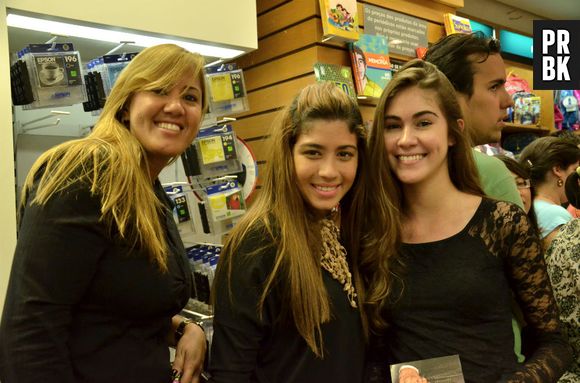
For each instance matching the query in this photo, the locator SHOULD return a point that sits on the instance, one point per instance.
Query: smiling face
(485, 110)
(165, 123)
(416, 136)
(325, 160)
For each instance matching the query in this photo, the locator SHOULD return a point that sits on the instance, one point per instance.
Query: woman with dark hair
(521, 173)
(298, 273)
(462, 253)
(552, 160)
(563, 261)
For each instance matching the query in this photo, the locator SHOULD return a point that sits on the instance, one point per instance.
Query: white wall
(232, 23)
(228, 23)
(7, 187)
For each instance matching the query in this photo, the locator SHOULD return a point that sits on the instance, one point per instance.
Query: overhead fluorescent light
(66, 29)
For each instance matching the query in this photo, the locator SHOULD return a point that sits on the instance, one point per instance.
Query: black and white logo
(556, 54)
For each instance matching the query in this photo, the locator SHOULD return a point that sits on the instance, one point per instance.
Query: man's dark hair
(567, 135)
(451, 56)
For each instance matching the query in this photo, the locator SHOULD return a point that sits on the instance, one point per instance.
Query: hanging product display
(20, 84)
(227, 90)
(222, 173)
(182, 212)
(213, 153)
(55, 75)
(102, 74)
(225, 201)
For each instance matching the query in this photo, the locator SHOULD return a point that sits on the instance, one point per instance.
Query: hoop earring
(560, 183)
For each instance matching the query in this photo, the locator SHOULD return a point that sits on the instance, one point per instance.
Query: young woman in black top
(462, 253)
(299, 270)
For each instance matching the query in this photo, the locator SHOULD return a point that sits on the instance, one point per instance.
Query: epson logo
(42, 60)
(556, 54)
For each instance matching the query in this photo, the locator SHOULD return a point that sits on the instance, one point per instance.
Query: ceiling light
(101, 34)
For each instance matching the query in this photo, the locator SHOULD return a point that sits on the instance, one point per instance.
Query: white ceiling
(89, 49)
(519, 14)
(516, 14)
(548, 9)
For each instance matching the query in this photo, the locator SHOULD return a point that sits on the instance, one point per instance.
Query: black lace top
(455, 299)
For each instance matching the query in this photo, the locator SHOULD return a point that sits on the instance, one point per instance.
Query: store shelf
(518, 128)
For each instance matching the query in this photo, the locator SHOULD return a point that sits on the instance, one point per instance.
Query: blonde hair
(281, 214)
(112, 161)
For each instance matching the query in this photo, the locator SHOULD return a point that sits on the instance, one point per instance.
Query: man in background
(474, 66)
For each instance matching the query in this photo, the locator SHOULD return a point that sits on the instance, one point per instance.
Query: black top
(246, 348)
(82, 307)
(456, 300)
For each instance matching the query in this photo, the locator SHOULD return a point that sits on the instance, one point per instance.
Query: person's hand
(190, 354)
(410, 375)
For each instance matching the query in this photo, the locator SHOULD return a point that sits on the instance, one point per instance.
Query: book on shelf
(526, 109)
(339, 19)
(340, 75)
(371, 65)
(421, 52)
(446, 369)
(456, 24)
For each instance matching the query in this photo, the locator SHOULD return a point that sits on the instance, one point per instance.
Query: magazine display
(371, 65)
(338, 74)
(456, 24)
(339, 19)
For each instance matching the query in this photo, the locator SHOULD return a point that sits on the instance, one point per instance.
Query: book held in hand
(446, 369)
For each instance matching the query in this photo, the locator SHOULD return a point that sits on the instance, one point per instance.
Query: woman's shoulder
(542, 207)
(501, 216)
(500, 207)
(566, 244)
(255, 247)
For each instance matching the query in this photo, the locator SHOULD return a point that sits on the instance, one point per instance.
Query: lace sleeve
(526, 270)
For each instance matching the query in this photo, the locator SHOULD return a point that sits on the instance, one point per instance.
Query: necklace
(334, 260)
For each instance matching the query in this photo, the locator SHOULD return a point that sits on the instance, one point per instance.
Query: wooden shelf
(519, 128)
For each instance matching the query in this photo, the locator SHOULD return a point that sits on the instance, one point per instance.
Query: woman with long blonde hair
(99, 271)
(292, 291)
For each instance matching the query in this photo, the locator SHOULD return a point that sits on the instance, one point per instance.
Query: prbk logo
(556, 54)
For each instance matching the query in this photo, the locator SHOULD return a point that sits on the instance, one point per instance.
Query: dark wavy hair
(546, 152)
(454, 54)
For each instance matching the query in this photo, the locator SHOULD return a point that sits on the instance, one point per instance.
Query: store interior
(279, 44)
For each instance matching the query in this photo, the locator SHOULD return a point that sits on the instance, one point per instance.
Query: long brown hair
(281, 214)
(461, 164)
(112, 161)
(388, 197)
